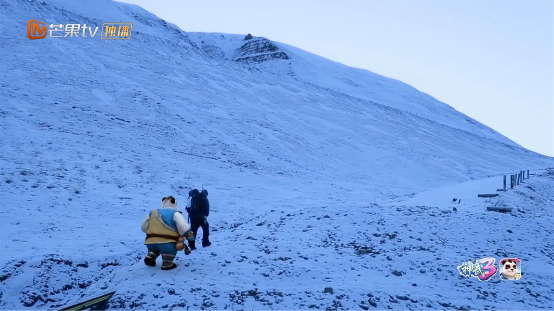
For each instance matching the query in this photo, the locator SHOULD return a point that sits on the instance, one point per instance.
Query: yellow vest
(156, 226)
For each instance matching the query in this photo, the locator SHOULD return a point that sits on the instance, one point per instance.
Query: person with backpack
(198, 212)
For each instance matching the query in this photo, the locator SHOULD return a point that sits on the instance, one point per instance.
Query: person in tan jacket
(164, 228)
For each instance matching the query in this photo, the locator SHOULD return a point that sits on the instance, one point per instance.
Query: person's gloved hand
(189, 235)
(187, 250)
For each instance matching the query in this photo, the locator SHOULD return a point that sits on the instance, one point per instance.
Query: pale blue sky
(490, 59)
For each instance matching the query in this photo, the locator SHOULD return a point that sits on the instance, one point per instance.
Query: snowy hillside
(281, 59)
(307, 162)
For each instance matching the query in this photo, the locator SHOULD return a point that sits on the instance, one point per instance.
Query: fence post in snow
(527, 174)
(504, 182)
(512, 181)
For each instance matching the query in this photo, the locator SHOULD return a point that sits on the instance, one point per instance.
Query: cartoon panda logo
(510, 269)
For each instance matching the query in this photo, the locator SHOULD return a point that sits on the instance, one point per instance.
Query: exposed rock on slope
(259, 50)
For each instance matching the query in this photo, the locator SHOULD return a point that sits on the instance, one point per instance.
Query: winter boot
(192, 245)
(206, 243)
(167, 262)
(150, 259)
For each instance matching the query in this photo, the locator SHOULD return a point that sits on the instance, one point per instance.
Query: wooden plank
(492, 195)
(499, 208)
(90, 303)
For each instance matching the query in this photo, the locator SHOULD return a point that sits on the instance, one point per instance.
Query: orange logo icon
(35, 31)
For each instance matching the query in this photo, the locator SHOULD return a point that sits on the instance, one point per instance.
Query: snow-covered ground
(320, 175)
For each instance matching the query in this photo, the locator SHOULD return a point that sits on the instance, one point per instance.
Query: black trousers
(197, 223)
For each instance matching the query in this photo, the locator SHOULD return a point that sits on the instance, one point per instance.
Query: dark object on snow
(248, 37)
(502, 209)
(454, 209)
(488, 195)
(98, 303)
(454, 200)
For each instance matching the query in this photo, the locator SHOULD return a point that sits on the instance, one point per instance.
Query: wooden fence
(515, 179)
(521, 176)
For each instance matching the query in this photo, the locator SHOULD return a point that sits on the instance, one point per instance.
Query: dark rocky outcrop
(259, 50)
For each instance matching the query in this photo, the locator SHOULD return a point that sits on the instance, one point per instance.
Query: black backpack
(198, 201)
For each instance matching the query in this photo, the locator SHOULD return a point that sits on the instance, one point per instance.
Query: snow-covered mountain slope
(233, 114)
(279, 58)
(95, 132)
